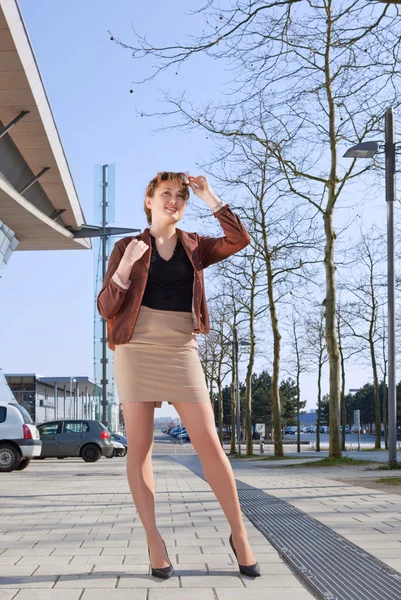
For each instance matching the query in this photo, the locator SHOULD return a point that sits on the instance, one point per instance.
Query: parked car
(86, 438)
(117, 437)
(119, 449)
(177, 431)
(19, 437)
(289, 430)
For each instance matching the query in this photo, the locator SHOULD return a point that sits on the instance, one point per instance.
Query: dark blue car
(116, 437)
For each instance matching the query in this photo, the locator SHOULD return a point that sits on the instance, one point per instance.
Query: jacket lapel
(145, 237)
(188, 243)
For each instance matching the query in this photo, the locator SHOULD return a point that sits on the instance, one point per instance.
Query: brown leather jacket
(121, 306)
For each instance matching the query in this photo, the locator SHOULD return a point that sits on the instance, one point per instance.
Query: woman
(153, 298)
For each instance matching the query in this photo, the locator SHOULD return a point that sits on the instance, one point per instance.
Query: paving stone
(181, 594)
(28, 582)
(44, 560)
(117, 570)
(135, 551)
(116, 594)
(45, 594)
(11, 571)
(262, 594)
(78, 551)
(86, 581)
(146, 581)
(8, 594)
(272, 581)
(59, 570)
(215, 559)
(9, 560)
(110, 544)
(97, 560)
(25, 552)
(207, 581)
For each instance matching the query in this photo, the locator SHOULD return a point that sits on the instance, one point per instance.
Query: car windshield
(25, 414)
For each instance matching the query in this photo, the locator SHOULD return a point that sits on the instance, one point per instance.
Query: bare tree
(316, 350)
(284, 248)
(320, 74)
(215, 355)
(361, 312)
(299, 360)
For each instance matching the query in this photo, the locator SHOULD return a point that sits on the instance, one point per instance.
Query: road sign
(260, 428)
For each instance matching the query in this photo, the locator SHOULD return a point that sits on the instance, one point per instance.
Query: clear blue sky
(46, 300)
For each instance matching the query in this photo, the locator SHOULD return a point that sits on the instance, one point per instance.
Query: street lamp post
(368, 150)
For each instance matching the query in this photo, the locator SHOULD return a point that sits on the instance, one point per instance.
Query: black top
(170, 282)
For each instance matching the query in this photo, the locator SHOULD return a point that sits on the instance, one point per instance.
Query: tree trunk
(342, 365)
(275, 392)
(330, 300)
(233, 406)
(376, 395)
(248, 383)
(319, 403)
(331, 338)
(385, 413)
(220, 409)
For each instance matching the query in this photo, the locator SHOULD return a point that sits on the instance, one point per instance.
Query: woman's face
(168, 204)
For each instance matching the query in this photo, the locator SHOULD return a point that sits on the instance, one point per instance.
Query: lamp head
(363, 150)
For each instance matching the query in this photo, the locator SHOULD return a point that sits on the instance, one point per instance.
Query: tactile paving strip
(332, 566)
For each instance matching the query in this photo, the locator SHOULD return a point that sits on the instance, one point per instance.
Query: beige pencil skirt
(161, 361)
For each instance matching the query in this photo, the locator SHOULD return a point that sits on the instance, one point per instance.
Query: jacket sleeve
(111, 297)
(236, 237)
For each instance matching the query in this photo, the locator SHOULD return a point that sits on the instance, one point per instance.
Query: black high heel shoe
(250, 570)
(162, 572)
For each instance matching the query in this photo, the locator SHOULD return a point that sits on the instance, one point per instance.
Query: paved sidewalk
(369, 518)
(69, 531)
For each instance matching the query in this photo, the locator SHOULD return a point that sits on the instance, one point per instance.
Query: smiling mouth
(172, 210)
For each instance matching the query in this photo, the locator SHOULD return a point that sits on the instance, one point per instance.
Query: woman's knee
(138, 420)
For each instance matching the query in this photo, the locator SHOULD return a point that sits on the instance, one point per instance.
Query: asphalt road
(350, 438)
(166, 444)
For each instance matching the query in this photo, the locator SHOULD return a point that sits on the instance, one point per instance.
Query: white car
(119, 449)
(19, 437)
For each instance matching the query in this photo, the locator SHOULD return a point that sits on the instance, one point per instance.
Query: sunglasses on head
(184, 177)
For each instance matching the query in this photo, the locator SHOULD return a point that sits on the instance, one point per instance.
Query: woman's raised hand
(134, 251)
(201, 188)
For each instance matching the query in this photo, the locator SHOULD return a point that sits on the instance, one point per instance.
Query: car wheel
(23, 464)
(90, 453)
(10, 458)
(124, 452)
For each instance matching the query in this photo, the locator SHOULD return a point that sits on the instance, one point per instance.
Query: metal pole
(104, 322)
(55, 401)
(390, 199)
(69, 408)
(238, 408)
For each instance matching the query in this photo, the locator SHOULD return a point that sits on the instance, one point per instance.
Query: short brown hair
(180, 178)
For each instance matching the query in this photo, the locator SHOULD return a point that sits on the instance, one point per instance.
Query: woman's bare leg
(140, 474)
(198, 419)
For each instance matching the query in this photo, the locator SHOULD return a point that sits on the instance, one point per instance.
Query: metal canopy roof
(37, 140)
